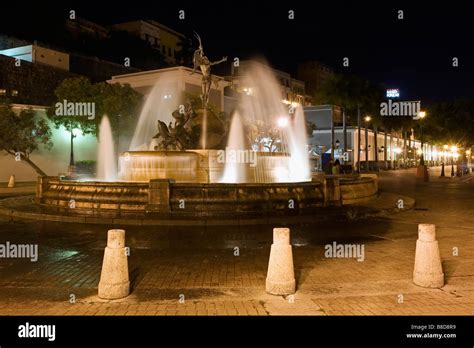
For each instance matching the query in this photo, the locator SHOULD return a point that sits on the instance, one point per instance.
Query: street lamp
(71, 156)
(367, 146)
(468, 155)
(421, 116)
(454, 151)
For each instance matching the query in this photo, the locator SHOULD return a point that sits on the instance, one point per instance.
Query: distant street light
(469, 158)
(421, 116)
(454, 150)
(367, 146)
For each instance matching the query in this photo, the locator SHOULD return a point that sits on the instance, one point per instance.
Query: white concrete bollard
(11, 182)
(114, 282)
(428, 271)
(281, 275)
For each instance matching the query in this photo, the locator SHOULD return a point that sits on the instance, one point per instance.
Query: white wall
(52, 162)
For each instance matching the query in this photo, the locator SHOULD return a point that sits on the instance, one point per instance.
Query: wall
(35, 83)
(52, 162)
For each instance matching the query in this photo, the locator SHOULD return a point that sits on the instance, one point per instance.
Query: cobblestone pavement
(186, 271)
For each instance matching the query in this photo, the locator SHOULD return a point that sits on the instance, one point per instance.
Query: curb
(326, 215)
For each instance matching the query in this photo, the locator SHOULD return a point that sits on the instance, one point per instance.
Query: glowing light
(367, 118)
(287, 102)
(75, 133)
(393, 93)
(283, 122)
(445, 147)
(419, 152)
(422, 114)
(454, 148)
(397, 150)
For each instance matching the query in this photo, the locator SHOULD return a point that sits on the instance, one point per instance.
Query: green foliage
(450, 122)
(74, 90)
(86, 167)
(119, 102)
(22, 133)
(350, 92)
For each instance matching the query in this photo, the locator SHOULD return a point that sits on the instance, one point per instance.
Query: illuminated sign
(393, 93)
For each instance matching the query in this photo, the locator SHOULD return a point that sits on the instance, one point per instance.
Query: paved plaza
(222, 270)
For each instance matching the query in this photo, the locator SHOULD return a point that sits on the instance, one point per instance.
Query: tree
(354, 94)
(450, 122)
(119, 102)
(22, 133)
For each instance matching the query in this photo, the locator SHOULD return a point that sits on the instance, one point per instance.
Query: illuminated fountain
(190, 149)
(198, 166)
(106, 162)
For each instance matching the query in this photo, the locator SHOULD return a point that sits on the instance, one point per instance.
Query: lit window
(3, 92)
(14, 93)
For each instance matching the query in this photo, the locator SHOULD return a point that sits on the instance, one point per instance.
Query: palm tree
(354, 95)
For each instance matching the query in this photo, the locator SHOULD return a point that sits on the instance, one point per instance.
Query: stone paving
(183, 271)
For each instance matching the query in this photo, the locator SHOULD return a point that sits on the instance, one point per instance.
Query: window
(163, 49)
(169, 51)
(14, 93)
(3, 92)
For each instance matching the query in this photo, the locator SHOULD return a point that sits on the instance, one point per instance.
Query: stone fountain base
(204, 166)
(167, 199)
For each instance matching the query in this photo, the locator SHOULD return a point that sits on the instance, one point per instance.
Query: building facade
(292, 90)
(159, 36)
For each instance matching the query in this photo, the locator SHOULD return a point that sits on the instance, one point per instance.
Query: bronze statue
(201, 61)
(187, 130)
(178, 136)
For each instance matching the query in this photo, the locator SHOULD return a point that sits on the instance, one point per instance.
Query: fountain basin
(167, 199)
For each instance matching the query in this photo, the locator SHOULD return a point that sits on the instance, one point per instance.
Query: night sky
(414, 54)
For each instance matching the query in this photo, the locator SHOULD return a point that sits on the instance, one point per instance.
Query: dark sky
(414, 54)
